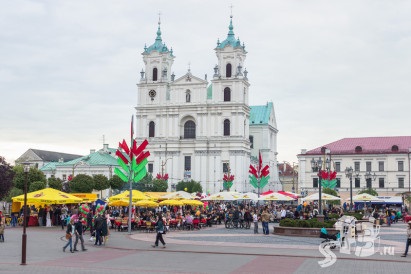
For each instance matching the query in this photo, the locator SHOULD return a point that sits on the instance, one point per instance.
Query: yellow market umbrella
(156, 195)
(48, 196)
(146, 203)
(136, 196)
(192, 202)
(171, 203)
(122, 202)
(178, 195)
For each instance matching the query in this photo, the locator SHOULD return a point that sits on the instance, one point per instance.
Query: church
(199, 129)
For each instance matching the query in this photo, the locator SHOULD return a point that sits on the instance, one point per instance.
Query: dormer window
(394, 148)
(358, 149)
(228, 70)
(155, 72)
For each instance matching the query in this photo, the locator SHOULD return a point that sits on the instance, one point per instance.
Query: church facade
(199, 129)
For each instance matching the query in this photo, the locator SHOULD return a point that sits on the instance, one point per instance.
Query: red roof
(366, 145)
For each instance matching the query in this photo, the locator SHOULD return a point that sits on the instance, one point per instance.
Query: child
(2, 230)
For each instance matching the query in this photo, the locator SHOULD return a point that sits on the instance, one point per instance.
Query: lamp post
(368, 177)
(24, 236)
(348, 174)
(316, 165)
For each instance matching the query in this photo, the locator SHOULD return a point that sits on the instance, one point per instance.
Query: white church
(199, 129)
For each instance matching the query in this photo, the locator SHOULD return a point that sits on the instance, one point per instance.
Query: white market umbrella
(275, 196)
(223, 196)
(249, 196)
(365, 197)
(324, 197)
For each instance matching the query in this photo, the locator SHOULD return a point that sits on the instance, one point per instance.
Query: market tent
(289, 194)
(324, 197)
(249, 196)
(275, 197)
(136, 196)
(365, 197)
(156, 195)
(267, 192)
(86, 197)
(146, 203)
(223, 196)
(177, 195)
(48, 196)
(171, 203)
(192, 202)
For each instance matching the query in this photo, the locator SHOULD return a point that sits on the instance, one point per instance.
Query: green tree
(34, 186)
(81, 183)
(190, 186)
(6, 177)
(143, 185)
(334, 193)
(14, 191)
(370, 191)
(116, 182)
(55, 183)
(100, 182)
(34, 175)
(159, 185)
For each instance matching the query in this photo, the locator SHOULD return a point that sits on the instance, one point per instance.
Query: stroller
(328, 237)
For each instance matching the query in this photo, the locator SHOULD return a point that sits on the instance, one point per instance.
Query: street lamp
(24, 236)
(348, 174)
(368, 177)
(316, 165)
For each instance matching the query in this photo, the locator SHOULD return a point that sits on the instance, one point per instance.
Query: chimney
(303, 151)
(105, 147)
(92, 151)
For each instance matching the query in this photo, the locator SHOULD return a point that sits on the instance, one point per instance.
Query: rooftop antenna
(231, 10)
(159, 17)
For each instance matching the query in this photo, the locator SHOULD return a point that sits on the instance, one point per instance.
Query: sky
(333, 69)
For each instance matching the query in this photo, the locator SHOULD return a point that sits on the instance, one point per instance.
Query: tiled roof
(260, 115)
(51, 156)
(367, 145)
(100, 157)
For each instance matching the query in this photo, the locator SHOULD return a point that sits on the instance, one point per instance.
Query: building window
(187, 162)
(381, 166)
(400, 166)
(368, 166)
(369, 183)
(356, 166)
(315, 182)
(400, 182)
(338, 185)
(150, 168)
(225, 167)
(228, 70)
(381, 182)
(226, 127)
(151, 129)
(251, 141)
(357, 183)
(394, 148)
(227, 95)
(189, 130)
(155, 74)
(358, 149)
(337, 166)
(188, 96)
(64, 177)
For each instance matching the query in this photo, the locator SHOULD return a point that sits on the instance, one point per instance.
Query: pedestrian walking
(408, 243)
(255, 221)
(160, 231)
(79, 234)
(69, 236)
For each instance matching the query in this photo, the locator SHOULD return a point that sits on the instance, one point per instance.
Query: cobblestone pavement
(209, 250)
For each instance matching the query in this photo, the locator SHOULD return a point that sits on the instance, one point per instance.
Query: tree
(116, 182)
(55, 183)
(190, 186)
(34, 186)
(81, 183)
(159, 185)
(334, 193)
(143, 185)
(6, 177)
(100, 182)
(33, 176)
(14, 191)
(370, 191)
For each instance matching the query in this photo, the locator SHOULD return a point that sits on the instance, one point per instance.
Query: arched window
(227, 95)
(155, 74)
(226, 127)
(151, 129)
(228, 70)
(394, 148)
(358, 149)
(189, 130)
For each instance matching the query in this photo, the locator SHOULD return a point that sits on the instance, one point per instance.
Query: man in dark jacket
(98, 223)
(78, 226)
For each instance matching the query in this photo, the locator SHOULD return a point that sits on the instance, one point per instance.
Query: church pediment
(189, 79)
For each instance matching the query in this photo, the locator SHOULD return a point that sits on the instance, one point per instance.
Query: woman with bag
(160, 231)
(69, 236)
(408, 240)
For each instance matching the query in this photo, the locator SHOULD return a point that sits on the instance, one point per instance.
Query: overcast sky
(333, 69)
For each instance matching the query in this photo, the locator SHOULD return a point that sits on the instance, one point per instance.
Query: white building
(386, 157)
(199, 129)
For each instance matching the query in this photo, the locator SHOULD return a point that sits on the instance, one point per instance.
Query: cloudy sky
(333, 69)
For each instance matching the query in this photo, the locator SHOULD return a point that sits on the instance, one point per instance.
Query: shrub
(311, 223)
